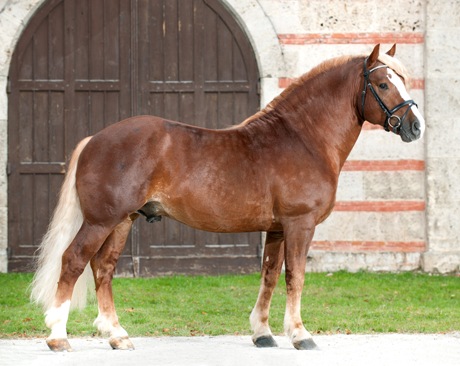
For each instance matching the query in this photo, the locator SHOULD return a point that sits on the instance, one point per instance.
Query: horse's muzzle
(411, 131)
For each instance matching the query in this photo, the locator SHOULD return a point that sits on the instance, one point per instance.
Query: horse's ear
(392, 51)
(373, 56)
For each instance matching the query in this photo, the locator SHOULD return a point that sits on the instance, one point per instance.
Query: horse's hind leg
(271, 268)
(74, 260)
(103, 265)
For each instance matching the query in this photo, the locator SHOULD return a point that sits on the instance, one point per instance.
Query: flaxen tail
(67, 220)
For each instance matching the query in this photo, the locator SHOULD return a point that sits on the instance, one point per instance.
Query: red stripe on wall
(369, 246)
(418, 84)
(352, 38)
(383, 165)
(285, 82)
(379, 206)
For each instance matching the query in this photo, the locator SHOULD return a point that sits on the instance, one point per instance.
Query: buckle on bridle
(394, 127)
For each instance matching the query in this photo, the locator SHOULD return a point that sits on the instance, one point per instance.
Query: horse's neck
(333, 132)
(326, 121)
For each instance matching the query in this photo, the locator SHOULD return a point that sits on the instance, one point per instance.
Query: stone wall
(442, 79)
(397, 204)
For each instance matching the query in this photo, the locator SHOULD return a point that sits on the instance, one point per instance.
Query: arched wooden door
(83, 64)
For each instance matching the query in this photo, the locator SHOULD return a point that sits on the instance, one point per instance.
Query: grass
(184, 306)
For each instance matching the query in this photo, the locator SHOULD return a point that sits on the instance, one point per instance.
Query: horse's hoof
(265, 341)
(123, 343)
(59, 345)
(306, 344)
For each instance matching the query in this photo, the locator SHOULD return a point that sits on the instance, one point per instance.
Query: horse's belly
(223, 216)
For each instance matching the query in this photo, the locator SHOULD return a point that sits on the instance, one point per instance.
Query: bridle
(388, 126)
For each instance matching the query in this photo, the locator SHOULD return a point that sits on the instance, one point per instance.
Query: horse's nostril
(416, 128)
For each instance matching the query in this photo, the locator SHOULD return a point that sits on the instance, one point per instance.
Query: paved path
(369, 350)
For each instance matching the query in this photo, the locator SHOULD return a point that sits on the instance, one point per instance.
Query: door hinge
(8, 169)
(8, 86)
(9, 253)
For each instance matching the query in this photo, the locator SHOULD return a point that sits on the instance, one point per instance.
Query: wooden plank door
(83, 64)
(68, 79)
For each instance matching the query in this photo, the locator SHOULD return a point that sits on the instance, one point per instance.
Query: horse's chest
(306, 194)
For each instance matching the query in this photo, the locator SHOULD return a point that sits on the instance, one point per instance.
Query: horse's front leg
(271, 267)
(298, 235)
(103, 265)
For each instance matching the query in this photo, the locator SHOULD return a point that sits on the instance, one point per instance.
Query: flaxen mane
(390, 61)
(294, 86)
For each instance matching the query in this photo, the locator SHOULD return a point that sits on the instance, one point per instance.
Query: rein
(396, 127)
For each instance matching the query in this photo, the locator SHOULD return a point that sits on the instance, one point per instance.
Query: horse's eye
(383, 86)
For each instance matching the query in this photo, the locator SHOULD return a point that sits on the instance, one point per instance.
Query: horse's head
(389, 104)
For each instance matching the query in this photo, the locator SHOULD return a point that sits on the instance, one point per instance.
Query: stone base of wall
(325, 261)
(441, 262)
(429, 262)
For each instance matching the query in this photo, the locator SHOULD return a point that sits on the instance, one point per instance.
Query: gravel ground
(369, 350)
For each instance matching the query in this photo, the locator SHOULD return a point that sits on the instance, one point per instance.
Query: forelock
(396, 65)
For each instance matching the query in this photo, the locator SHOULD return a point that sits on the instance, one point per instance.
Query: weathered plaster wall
(442, 75)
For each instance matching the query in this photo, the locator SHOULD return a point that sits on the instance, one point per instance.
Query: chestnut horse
(275, 172)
